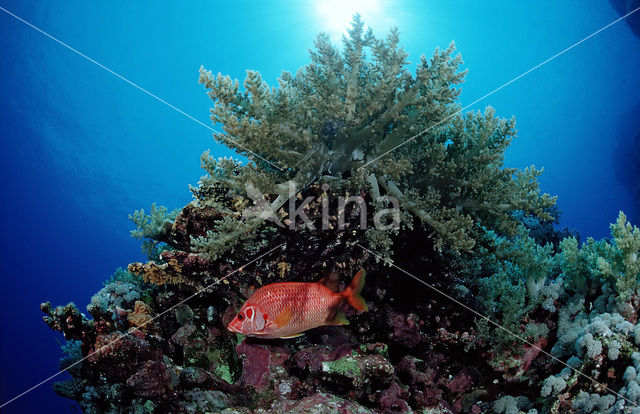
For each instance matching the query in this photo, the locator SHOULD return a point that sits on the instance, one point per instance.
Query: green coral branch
(614, 262)
(153, 228)
(152, 225)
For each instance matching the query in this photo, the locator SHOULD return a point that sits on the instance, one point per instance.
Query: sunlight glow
(335, 15)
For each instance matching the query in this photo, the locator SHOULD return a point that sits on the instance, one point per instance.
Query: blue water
(81, 148)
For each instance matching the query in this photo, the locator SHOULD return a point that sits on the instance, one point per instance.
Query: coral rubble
(356, 125)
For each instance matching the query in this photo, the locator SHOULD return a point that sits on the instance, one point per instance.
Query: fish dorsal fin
(292, 336)
(339, 319)
(283, 317)
(330, 281)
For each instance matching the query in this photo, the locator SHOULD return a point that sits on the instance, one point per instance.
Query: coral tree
(356, 123)
(337, 118)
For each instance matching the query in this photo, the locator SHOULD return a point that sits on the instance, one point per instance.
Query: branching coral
(596, 327)
(598, 262)
(620, 264)
(152, 228)
(518, 279)
(371, 124)
(159, 274)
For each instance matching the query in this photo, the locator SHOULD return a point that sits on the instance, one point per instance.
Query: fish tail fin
(352, 293)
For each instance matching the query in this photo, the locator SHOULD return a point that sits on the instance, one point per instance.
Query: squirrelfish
(285, 310)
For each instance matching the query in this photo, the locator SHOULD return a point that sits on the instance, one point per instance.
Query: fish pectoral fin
(292, 336)
(339, 319)
(283, 317)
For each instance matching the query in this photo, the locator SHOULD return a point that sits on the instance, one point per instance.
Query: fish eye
(240, 316)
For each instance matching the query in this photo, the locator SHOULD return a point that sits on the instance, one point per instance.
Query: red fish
(284, 310)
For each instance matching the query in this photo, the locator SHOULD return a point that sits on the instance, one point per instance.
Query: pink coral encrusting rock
(258, 361)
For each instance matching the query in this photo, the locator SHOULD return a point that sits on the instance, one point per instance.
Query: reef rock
(152, 380)
(319, 403)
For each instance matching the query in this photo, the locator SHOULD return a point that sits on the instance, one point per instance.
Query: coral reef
(356, 125)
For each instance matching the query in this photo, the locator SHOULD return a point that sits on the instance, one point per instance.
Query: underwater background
(82, 149)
